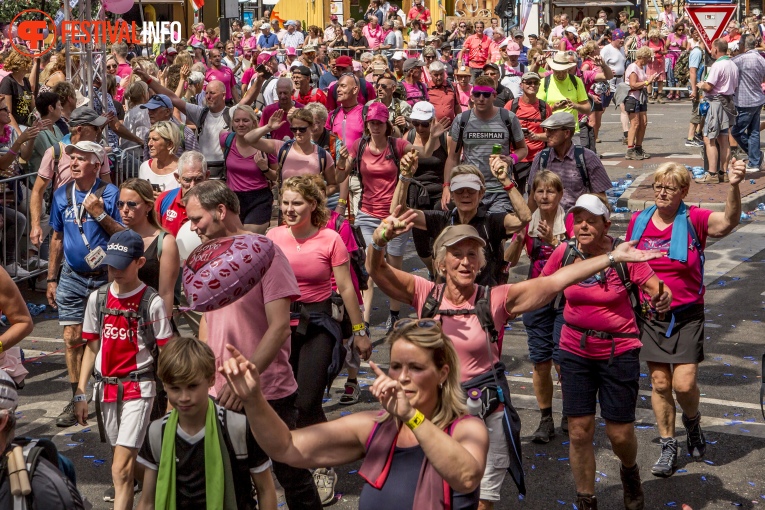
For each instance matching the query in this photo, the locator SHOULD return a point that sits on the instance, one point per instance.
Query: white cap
(471, 181)
(422, 110)
(264, 26)
(592, 204)
(572, 29)
(399, 55)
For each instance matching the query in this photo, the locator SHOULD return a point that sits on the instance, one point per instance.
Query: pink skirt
(656, 66)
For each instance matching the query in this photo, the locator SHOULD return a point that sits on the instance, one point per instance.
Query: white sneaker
(16, 271)
(752, 169)
(35, 262)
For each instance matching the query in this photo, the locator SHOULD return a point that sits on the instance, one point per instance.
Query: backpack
(362, 88)
(420, 199)
(260, 101)
(570, 76)
(464, 118)
(544, 157)
(542, 109)
(205, 111)
(99, 192)
(481, 309)
(48, 195)
(364, 110)
(226, 149)
(43, 456)
(363, 142)
(682, 72)
(358, 257)
(164, 205)
(285, 149)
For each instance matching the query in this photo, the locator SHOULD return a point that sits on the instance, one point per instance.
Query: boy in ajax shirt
(201, 455)
(119, 345)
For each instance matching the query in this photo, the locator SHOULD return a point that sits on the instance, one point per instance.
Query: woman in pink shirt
(673, 345)
(458, 258)
(599, 346)
(464, 88)
(656, 65)
(199, 36)
(676, 42)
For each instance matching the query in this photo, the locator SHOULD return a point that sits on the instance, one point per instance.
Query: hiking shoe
(694, 143)
(624, 140)
(665, 466)
(390, 322)
(109, 493)
(661, 100)
(708, 179)
(325, 480)
(351, 394)
(67, 417)
(15, 270)
(632, 154)
(652, 100)
(696, 443)
(643, 154)
(564, 425)
(586, 501)
(633, 489)
(723, 177)
(545, 431)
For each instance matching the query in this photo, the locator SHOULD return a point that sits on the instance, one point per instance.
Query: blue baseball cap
(123, 248)
(158, 101)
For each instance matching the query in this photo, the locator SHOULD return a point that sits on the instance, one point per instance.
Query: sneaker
(35, 262)
(564, 425)
(661, 100)
(586, 501)
(325, 480)
(699, 138)
(390, 322)
(665, 466)
(634, 498)
(67, 417)
(652, 100)
(632, 154)
(723, 177)
(597, 140)
(643, 154)
(16, 271)
(545, 431)
(752, 169)
(708, 179)
(109, 493)
(696, 443)
(694, 143)
(351, 394)
(41, 285)
(624, 140)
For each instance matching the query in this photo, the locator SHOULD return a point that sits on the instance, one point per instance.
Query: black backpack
(48, 195)
(364, 110)
(205, 111)
(464, 118)
(570, 77)
(482, 308)
(542, 110)
(363, 142)
(358, 258)
(99, 192)
(544, 157)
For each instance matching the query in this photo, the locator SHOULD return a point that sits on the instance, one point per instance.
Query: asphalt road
(730, 378)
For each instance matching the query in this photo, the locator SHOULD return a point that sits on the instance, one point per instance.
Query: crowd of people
(339, 145)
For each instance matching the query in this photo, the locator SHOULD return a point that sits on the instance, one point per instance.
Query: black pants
(310, 359)
(299, 489)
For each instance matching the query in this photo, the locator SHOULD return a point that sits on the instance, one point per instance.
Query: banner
(525, 12)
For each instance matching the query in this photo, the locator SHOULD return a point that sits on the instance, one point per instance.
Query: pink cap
(291, 51)
(357, 66)
(513, 49)
(377, 111)
(263, 58)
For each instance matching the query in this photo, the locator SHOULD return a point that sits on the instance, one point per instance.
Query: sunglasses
(382, 85)
(463, 26)
(421, 123)
(111, 67)
(486, 95)
(533, 83)
(298, 129)
(129, 203)
(196, 180)
(407, 323)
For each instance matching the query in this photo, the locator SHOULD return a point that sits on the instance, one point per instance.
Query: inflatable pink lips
(221, 271)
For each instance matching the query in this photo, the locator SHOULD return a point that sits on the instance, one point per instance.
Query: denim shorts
(368, 224)
(73, 292)
(586, 382)
(543, 327)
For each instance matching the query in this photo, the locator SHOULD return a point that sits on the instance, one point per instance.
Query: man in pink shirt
(346, 121)
(120, 51)
(374, 33)
(719, 87)
(258, 324)
(224, 74)
(421, 13)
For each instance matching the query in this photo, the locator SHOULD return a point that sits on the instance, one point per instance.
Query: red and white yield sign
(710, 20)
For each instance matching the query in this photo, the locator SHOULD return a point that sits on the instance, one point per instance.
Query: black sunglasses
(420, 323)
(129, 203)
(298, 129)
(486, 95)
(421, 123)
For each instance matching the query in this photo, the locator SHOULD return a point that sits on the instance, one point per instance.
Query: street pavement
(730, 377)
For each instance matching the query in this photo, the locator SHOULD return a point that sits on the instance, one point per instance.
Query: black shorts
(255, 206)
(632, 105)
(586, 382)
(685, 343)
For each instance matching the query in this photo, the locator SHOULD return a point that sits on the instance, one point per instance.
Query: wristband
(148, 82)
(358, 327)
(416, 420)
(647, 83)
(404, 178)
(611, 259)
(510, 186)
(444, 185)
(342, 201)
(514, 157)
(378, 247)
(1, 347)
(80, 398)
(382, 235)
(52, 280)
(13, 152)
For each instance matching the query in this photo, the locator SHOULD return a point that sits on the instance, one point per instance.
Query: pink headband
(479, 88)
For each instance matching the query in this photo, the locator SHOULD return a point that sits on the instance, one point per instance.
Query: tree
(10, 8)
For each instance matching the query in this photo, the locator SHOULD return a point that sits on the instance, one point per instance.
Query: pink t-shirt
(545, 250)
(242, 173)
(379, 177)
(243, 324)
(348, 125)
(124, 70)
(284, 130)
(248, 75)
(641, 77)
(723, 76)
(465, 331)
(312, 260)
(683, 279)
(301, 164)
(225, 75)
(64, 175)
(346, 234)
(600, 307)
(374, 37)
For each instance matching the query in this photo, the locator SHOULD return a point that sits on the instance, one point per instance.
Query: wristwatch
(101, 216)
(362, 332)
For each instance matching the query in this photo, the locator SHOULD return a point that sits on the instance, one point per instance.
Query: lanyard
(78, 212)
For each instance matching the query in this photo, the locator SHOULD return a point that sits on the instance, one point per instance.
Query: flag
(197, 4)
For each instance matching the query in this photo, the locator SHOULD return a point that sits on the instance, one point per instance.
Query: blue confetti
(562, 458)
(671, 503)
(709, 462)
(88, 456)
(682, 471)
(560, 502)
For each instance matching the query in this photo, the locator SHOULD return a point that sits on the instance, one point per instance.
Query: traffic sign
(710, 20)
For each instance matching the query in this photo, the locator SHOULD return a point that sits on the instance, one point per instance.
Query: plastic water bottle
(474, 403)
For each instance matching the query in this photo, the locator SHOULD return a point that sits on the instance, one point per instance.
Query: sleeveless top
(149, 273)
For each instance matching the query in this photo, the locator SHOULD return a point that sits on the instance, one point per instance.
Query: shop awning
(592, 3)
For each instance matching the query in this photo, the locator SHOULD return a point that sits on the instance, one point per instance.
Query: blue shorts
(73, 292)
(543, 327)
(368, 224)
(585, 382)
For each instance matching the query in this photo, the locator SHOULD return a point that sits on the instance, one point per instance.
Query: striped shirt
(751, 75)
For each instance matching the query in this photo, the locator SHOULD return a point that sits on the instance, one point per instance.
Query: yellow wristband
(358, 327)
(416, 420)
(342, 201)
(1, 347)
(647, 83)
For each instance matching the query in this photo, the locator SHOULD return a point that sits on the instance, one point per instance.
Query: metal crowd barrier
(129, 162)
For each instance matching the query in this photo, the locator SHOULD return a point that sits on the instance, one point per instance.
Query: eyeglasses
(421, 123)
(196, 180)
(407, 323)
(658, 188)
(463, 26)
(382, 85)
(533, 83)
(298, 129)
(129, 203)
(486, 95)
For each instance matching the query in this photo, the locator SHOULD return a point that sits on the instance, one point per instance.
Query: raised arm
(396, 284)
(521, 216)
(408, 168)
(157, 87)
(255, 137)
(722, 223)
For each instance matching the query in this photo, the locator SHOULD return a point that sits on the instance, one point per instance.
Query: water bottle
(474, 403)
